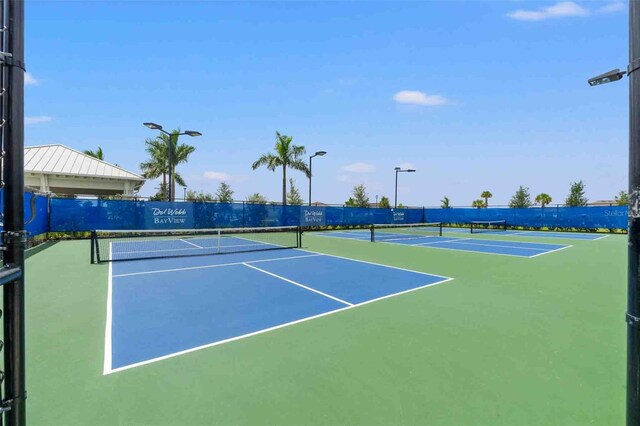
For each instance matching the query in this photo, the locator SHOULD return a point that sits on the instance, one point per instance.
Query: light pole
(317, 154)
(184, 197)
(633, 262)
(400, 170)
(192, 133)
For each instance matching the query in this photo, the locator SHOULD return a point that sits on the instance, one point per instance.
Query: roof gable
(60, 159)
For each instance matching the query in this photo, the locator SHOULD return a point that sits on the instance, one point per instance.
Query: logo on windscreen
(398, 216)
(169, 216)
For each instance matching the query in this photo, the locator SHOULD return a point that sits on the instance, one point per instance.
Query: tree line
(522, 198)
(286, 155)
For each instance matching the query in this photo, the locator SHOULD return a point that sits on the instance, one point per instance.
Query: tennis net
(107, 246)
(409, 231)
(487, 226)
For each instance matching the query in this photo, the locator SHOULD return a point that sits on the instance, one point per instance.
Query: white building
(59, 169)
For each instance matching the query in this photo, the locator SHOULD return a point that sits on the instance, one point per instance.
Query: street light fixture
(607, 77)
(633, 251)
(192, 133)
(317, 154)
(400, 170)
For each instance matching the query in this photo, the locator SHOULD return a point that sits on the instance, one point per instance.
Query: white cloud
(217, 176)
(614, 7)
(29, 79)
(37, 120)
(559, 10)
(359, 168)
(416, 97)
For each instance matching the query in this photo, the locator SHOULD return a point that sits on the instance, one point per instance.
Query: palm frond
(268, 160)
(297, 151)
(301, 166)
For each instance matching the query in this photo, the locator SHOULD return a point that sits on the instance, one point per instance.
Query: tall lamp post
(633, 263)
(317, 154)
(192, 133)
(400, 170)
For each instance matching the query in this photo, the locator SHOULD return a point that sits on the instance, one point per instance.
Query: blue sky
(474, 95)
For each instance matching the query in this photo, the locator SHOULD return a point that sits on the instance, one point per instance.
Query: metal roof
(62, 160)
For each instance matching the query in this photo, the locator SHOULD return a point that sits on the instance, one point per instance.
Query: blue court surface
(476, 245)
(160, 308)
(541, 234)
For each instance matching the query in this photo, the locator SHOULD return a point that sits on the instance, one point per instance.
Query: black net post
(633, 280)
(93, 247)
(14, 395)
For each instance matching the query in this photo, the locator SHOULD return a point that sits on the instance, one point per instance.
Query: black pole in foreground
(633, 284)
(13, 293)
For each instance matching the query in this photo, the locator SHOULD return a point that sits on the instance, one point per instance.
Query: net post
(440, 226)
(471, 223)
(97, 246)
(299, 236)
(93, 249)
(373, 238)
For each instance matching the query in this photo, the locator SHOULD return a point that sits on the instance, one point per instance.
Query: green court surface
(509, 341)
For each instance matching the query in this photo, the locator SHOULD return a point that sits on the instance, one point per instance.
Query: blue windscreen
(35, 213)
(596, 217)
(67, 214)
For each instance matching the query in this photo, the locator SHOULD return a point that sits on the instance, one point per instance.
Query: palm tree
(445, 203)
(478, 204)
(543, 199)
(486, 195)
(158, 163)
(286, 155)
(95, 154)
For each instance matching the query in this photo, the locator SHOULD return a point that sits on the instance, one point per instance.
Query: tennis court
(427, 236)
(158, 309)
(277, 330)
(536, 234)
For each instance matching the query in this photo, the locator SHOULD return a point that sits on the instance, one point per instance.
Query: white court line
(199, 247)
(266, 330)
(377, 264)
(430, 245)
(189, 268)
(446, 241)
(500, 245)
(188, 242)
(339, 234)
(559, 235)
(409, 237)
(107, 333)
(550, 251)
(462, 250)
(299, 285)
